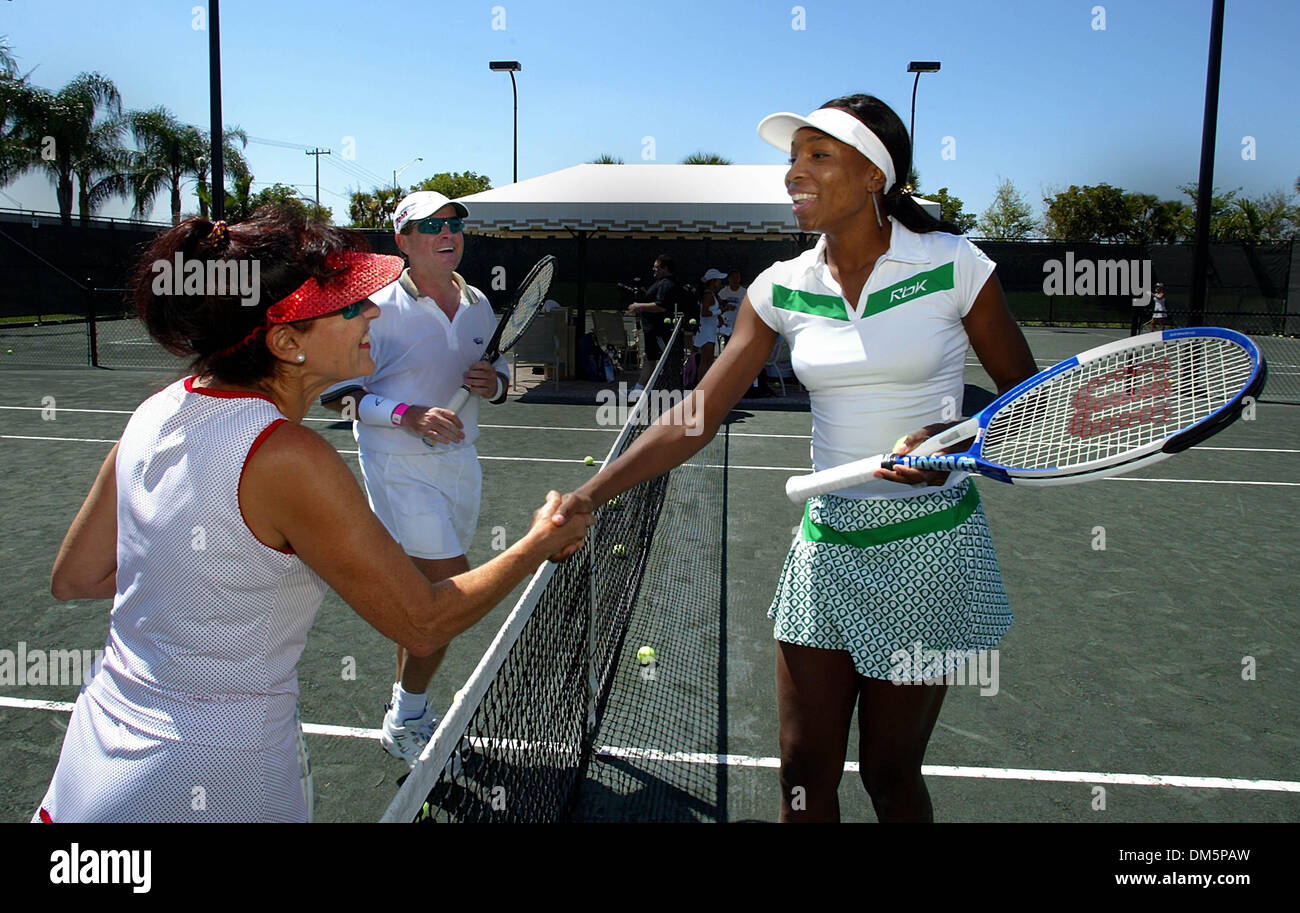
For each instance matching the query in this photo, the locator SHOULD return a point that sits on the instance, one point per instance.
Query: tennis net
(522, 727)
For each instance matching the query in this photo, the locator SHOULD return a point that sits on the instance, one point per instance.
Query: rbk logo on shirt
(939, 279)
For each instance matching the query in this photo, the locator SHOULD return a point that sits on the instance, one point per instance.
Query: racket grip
(459, 400)
(800, 488)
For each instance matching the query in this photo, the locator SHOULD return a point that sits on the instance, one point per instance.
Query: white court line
(70, 440)
(732, 760)
(330, 421)
(62, 409)
(986, 773)
(607, 431)
(794, 469)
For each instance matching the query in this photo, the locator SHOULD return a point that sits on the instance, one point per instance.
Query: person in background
(664, 300)
(706, 336)
(730, 297)
(1139, 312)
(1159, 308)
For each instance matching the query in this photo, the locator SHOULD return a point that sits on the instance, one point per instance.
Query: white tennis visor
(779, 130)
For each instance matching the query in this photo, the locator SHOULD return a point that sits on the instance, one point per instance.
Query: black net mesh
(525, 745)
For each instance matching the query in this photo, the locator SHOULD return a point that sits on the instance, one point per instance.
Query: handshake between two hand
(562, 523)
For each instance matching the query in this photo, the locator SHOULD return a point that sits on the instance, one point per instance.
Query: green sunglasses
(433, 226)
(353, 309)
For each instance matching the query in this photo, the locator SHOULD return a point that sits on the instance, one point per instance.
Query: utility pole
(317, 153)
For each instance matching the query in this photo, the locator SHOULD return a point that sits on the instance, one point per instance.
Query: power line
(357, 175)
(350, 167)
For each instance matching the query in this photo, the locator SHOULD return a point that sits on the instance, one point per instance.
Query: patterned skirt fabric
(909, 587)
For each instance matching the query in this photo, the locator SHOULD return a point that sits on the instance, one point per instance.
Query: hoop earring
(876, 207)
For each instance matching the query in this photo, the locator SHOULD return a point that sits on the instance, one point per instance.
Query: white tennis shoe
(406, 739)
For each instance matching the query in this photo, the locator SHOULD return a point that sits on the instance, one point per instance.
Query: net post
(92, 333)
(593, 680)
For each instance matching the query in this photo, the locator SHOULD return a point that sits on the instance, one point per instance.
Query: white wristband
(375, 410)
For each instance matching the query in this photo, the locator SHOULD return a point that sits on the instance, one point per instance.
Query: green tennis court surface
(1166, 657)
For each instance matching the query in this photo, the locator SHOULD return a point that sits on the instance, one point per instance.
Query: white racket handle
(800, 488)
(458, 401)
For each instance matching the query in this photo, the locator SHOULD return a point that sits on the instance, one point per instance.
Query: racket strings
(1114, 405)
(527, 305)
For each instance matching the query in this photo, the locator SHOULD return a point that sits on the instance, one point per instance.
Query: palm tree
(8, 63)
(15, 151)
(374, 209)
(169, 152)
(606, 159)
(235, 165)
(103, 170)
(70, 130)
(705, 158)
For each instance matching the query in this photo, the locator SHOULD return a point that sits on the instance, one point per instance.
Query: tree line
(1102, 212)
(77, 136)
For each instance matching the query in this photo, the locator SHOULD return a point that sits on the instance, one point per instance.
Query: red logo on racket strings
(1145, 386)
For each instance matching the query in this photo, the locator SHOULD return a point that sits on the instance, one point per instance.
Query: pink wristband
(396, 417)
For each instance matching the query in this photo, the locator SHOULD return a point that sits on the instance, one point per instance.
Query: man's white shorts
(428, 502)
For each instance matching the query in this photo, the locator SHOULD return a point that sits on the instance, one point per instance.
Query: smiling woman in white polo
(878, 315)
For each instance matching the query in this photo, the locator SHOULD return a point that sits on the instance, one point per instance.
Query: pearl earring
(301, 358)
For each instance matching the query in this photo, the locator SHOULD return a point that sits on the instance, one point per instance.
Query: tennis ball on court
(668, 320)
(620, 551)
(590, 461)
(645, 656)
(691, 322)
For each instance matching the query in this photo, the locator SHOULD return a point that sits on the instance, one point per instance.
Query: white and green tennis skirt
(909, 587)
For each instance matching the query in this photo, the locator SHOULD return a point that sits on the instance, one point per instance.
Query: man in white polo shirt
(418, 460)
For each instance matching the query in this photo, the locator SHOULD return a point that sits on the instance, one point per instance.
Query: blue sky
(1029, 90)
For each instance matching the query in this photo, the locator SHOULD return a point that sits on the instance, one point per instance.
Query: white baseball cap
(714, 274)
(415, 206)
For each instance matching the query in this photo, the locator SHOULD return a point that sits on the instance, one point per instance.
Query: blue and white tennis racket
(1111, 410)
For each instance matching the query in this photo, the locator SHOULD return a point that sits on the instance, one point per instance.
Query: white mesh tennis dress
(193, 714)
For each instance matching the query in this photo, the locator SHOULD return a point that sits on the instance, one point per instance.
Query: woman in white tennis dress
(216, 524)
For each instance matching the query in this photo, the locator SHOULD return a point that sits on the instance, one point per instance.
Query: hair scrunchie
(219, 237)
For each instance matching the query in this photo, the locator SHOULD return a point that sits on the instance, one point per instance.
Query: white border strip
(732, 760)
(984, 773)
(787, 469)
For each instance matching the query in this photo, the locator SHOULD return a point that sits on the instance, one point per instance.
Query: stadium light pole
(1205, 185)
(214, 90)
(512, 67)
(918, 67)
(418, 158)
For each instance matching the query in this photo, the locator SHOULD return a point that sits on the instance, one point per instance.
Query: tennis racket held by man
(515, 320)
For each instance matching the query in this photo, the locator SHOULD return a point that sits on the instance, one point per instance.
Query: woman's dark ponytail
(887, 125)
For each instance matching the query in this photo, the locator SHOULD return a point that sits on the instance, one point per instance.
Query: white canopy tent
(642, 200)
